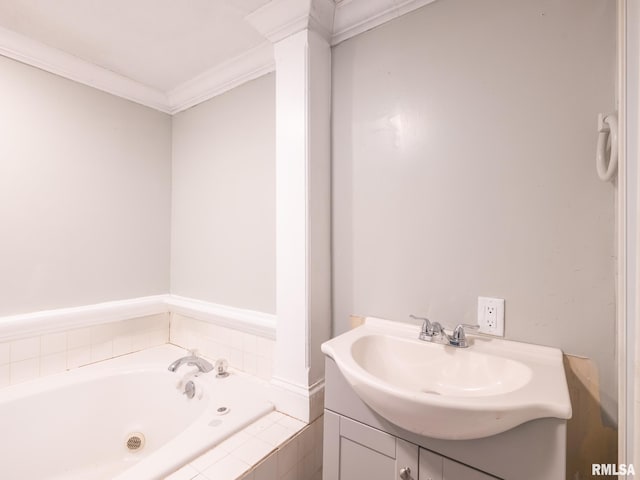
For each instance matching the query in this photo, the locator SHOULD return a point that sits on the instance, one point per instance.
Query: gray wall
(223, 203)
(85, 182)
(463, 165)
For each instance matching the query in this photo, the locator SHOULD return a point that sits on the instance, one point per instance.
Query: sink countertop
(448, 392)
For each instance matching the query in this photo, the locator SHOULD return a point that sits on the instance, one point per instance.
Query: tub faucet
(192, 360)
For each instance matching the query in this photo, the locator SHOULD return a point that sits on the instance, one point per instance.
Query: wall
(463, 165)
(223, 203)
(631, 342)
(84, 194)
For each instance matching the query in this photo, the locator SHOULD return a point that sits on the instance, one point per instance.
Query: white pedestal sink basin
(446, 392)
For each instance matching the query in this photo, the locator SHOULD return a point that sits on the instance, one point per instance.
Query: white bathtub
(76, 425)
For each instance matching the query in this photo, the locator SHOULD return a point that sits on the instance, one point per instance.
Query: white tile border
(247, 455)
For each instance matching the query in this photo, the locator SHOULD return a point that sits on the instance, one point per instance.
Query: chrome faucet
(426, 331)
(434, 332)
(192, 360)
(459, 337)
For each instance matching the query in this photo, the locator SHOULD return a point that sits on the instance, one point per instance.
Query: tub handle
(189, 389)
(221, 367)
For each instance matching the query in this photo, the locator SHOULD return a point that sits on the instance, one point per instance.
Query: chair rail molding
(23, 325)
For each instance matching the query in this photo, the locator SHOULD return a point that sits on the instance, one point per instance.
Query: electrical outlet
(491, 316)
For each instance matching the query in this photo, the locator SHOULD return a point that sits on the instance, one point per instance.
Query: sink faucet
(434, 332)
(426, 331)
(459, 337)
(192, 360)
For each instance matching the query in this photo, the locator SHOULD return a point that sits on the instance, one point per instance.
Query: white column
(303, 262)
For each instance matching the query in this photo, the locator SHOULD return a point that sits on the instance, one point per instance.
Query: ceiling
(172, 54)
(159, 43)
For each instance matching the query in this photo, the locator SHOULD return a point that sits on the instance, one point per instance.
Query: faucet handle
(459, 337)
(437, 329)
(221, 367)
(426, 331)
(468, 326)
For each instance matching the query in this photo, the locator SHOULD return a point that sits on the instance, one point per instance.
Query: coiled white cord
(607, 127)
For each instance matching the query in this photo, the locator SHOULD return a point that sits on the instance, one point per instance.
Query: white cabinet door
(457, 471)
(436, 467)
(430, 465)
(353, 451)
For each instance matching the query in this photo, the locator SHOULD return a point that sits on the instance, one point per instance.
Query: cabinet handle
(405, 473)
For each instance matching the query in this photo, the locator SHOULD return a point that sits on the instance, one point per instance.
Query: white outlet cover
(483, 321)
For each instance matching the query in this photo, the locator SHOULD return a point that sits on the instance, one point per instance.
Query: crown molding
(232, 73)
(353, 17)
(279, 19)
(334, 21)
(31, 52)
(236, 71)
(322, 16)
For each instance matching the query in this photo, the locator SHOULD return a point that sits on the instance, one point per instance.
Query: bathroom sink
(427, 368)
(446, 392)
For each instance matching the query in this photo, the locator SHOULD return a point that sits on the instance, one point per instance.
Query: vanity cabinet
(360, 444)
(436, 467)
(353, 450)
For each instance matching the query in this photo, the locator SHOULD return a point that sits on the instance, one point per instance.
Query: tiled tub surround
(250, 353)
(41, 355)
(275, 447)
(92, 412)
(38, 356)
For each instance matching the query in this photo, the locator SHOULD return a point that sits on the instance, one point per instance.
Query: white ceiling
(159, 43)
(173, 54)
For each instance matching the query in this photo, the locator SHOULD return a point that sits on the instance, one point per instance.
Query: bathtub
(125, 418)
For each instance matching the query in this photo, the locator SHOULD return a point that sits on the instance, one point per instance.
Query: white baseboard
(301, 402)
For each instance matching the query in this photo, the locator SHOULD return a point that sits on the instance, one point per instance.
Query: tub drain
(135, 441)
